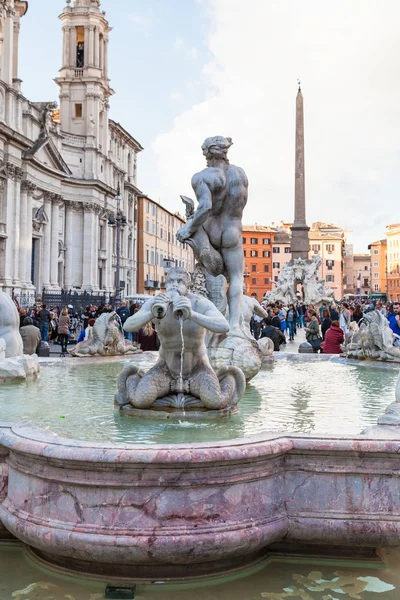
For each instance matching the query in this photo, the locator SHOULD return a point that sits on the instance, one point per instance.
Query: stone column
(25, 241)
(96, 47)
(17, 216)
(47, 240)
(28, 260)
(9, 200)
(72, 47)
(66, 45)
(55, 215)
(89, 253)
(15, 49)
(300, 245)
(69, 241)
(106, 56)
(91, 45)
(101, 57)
(8, 46)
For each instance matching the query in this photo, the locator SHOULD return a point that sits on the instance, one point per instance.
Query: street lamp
(118, 222)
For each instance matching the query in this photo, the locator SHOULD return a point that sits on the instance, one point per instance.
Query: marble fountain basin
(176, 510)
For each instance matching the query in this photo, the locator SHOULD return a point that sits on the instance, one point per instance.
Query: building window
(147, 206)
(330, 248)
(147, 256)
(80, 47)
(330, 264)
(316, 248)
(78, 111)
(153, 228)
(276, 265)
(366, 283)
(266, 280)
(376, 264)
(366, 267)
(253, 253)
(152, 257)
(330, 278)
(147, 226)
(376, 275)
(276, 250)
(253, 241)
(254, 268)
(376, 287)
(287, 250)
(244, 241)
(266, 268)
(266, 253)
(376, 251)
(276, 278)
(266, 241)
(254, 281)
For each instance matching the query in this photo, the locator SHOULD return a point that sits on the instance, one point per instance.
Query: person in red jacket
(333, 338)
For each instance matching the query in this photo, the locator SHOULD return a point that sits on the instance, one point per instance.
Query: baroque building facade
(60, 167)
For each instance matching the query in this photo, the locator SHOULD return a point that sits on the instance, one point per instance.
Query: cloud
(347, 57)
(175, 95)
(188, 52)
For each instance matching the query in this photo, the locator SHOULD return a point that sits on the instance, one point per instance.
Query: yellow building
(378, 266)
(393, 260)
(329, 245)
(157, 245)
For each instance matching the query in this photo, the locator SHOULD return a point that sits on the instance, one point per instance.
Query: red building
(257, 250)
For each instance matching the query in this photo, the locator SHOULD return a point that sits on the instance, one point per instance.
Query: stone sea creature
(107, 339)
(374, 339)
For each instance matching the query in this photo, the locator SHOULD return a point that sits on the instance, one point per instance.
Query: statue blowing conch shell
(182, 381)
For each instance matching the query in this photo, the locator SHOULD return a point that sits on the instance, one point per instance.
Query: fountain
(159, 498)
(107, 339)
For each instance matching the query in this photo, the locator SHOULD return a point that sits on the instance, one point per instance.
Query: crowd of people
(324, 327)
(64, 326)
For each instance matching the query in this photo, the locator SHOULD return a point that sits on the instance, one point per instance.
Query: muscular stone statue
(9, 326)
(214, 230)
(182, 377)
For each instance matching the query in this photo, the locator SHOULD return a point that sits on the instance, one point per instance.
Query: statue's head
(178, 280)
(216, 147)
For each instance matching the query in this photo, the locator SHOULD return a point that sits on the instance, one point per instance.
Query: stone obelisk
(300, 244)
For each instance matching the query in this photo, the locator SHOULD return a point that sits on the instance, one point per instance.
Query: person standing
(313, 336)
(394, 318)
(345, 317)
(326, 322)
(123, 312)
(44, 323)
(63, 330)
(273, 333)
(291, 317)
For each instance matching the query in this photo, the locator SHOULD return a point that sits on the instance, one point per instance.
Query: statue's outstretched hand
(183, 233)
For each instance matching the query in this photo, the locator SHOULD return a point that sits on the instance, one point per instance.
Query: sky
(184, 70)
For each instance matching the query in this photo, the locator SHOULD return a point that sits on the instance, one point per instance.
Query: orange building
(257, 250)
(378, 266)
(393, 260)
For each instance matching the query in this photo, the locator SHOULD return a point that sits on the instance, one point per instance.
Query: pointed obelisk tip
(299, 84)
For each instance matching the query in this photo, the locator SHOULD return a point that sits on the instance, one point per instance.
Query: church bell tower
(83, 79)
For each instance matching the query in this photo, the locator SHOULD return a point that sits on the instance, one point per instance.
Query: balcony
(150, 284)
(79, 73)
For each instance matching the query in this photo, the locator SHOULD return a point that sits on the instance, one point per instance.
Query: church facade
(60, 168)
